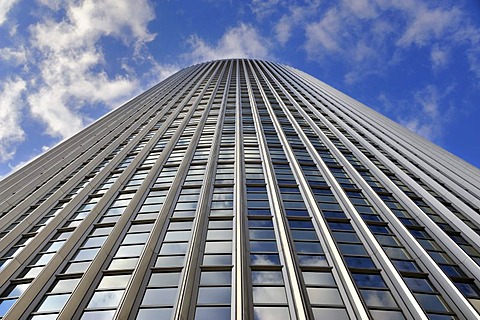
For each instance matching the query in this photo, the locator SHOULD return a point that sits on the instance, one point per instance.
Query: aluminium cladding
(241, 189)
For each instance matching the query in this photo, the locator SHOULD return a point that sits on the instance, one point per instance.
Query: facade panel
(241, 189)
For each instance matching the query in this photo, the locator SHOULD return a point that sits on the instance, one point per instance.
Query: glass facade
(241, 189)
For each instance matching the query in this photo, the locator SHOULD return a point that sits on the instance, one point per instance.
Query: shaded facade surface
(241, 189)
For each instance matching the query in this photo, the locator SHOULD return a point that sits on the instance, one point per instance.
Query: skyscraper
(241, 189)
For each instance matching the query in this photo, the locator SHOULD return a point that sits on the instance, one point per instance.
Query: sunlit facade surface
(241, 189)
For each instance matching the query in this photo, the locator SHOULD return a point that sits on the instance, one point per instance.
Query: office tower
(241, 189)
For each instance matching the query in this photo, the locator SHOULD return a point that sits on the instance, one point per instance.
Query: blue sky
(64, 63)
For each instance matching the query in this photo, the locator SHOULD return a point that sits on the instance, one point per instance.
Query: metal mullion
(397, 282)
(460, 302)
(25, 301)
(185, 308)
(432, 201)
(460, 176)
(423, 144)
(348, 288)
(65, 212)
(76, 303)
(65, 172)
(111, 119)
(70, 142)
(69, 209)
(242, 284)
(49, 164)
(432, 226)
(455, 199)
(298, 309)
(426, 168)
(443, 176)
(45, 206)
(141, 270)
(441, 154)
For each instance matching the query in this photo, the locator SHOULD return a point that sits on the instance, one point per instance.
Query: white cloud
(240, 42)
(5, 7)
(297, 15)
(424, 129)
(47, 105)
(350, 28)
(430, 113)
(17, 56)
(71, 61)
(361, 8)
(92, 19)
(471, 37)
(473, 57)
(163, 71)
(264, 8)
(438, 57)
(322, 35)
(428, 24)
(13, 168)
(428, 99)
(283, 29)
(52, 4)
(11, 107)
(375, 34)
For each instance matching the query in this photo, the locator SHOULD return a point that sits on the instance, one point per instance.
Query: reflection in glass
(308, 247)
(214, 295)
(54, 303)
(116, 281)
(154, 314)
(161, 296)
(105, 299)
(164, 279)
(263, 246)
(123, 264)
(173, 261)
(174, 248)
(318, 278)
(397, 315)
(330, 313)
(265, 259)
(216, 278)
(431, 302)
(271, 313)
(44, 317)
(78, 267)
(97, 315)
(324, 296)
(273, 277)
(369, 280)
(262, 234)
(418, 284)
(135, 238)
(218, 247)
(211, 313)
(18, 290)
(314, 261)
(5, 305)
(376, 298)
(269, 295)
(219, 235)
(86, 254)
(129, 251)
(217, 260)
(304, 235)
(178, 235)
